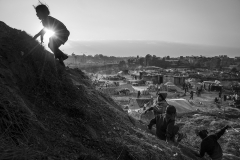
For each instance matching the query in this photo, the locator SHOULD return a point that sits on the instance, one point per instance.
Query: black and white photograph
(120, 80)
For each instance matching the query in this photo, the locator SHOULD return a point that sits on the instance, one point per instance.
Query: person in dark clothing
(191, 95)
(159, 108)
(61, 32)
(139, 93)
(220, 94)
(165, 125)
(210, 145)
(225, 97)
(185, 88)
(216, 100)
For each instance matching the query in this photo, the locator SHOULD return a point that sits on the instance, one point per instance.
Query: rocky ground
(50, 112)
(210, 116)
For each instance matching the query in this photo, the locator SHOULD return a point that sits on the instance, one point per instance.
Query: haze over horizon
(137, 27)
(128, 48)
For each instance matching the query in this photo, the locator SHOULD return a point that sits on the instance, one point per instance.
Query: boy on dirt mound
(165, 126)
(61, 33)
(210, 145)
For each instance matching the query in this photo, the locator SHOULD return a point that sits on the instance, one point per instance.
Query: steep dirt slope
(48, 112)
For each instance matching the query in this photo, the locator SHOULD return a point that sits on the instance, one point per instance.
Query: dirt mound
(49, 112)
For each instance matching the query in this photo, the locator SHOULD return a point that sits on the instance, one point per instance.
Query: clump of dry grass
(15, 122)
(15, 117)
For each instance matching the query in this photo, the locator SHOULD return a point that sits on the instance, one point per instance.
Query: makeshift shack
(170, 87)
(212, 85)
(179, 80)
(168, 78)
(138, 82)
(155, 78)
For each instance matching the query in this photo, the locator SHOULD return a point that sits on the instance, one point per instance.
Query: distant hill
(126, 48)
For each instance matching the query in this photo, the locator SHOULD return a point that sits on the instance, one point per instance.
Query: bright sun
(49, 33)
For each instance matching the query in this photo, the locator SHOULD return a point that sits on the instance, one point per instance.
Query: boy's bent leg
(61, 62)
(54, 45)
(65, 56)
(174, 133)
(61, 54)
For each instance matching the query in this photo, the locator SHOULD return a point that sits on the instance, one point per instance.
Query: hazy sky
(197, 22)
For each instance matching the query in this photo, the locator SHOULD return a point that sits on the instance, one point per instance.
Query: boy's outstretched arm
(221, 132)
(42, 32)
(149, 109)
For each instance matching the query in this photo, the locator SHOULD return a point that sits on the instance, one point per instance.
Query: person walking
(138, 95)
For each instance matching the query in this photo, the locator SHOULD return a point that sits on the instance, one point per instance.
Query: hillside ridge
(50, 112)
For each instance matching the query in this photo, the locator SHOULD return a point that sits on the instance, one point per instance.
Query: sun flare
(49, 33)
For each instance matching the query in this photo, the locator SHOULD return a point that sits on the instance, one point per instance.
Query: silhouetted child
(61, 33)
(165, 126)
(210, 144)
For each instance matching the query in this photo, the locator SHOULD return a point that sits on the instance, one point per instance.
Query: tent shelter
(182, 105)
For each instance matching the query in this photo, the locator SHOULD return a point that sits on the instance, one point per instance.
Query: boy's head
(202, 134)
(171, 110)
(42, 10)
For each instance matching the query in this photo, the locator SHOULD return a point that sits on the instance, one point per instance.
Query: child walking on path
(61, 33)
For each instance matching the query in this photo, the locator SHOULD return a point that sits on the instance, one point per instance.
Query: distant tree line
(199, 62)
